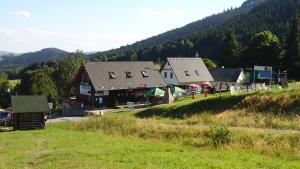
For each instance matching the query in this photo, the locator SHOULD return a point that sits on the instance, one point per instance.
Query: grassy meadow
(254, 130)
(59, 147)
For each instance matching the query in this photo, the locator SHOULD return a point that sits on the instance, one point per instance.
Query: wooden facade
(29, 112)
(28, 121)
(105, 91)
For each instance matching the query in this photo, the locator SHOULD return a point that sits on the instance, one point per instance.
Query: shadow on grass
(213, 105)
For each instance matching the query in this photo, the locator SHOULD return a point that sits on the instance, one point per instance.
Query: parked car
(5, 118)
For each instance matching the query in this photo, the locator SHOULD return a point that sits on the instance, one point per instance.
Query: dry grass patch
(263, 141)
(277, 103)
(243, 118)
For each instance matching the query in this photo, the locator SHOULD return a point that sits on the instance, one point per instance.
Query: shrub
(219, 136)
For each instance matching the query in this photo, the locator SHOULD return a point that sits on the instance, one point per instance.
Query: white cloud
(32, 39)
(172, 12)
(6, 32)
(22, 13)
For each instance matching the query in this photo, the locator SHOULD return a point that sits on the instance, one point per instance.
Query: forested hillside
(260, 32)
(252, 17)
(47, 54)
(192, 28)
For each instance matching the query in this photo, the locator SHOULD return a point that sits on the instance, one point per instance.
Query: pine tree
(132, 55)
(231, 51)
(292, 57)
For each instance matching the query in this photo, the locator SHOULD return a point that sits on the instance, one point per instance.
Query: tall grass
(214, 104)
(247, 122)
(265, 142)
(245, 118)
(279, 103)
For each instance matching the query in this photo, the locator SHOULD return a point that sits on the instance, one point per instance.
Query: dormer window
(187, 73)
(145, 74)
(197, 73)
(112, 75)
(128, 75)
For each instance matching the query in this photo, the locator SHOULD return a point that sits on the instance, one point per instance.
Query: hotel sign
(263, 72)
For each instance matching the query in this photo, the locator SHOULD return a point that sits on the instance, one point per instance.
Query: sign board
(263, 68)
(86, 90)
(50, 105)
(263, 72)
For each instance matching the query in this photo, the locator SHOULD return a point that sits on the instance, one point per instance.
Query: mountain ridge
(43, 55)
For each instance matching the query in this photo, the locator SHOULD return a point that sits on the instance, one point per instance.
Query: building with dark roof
(185, 71)
(100, 84)
(29, 112)
(226, 77)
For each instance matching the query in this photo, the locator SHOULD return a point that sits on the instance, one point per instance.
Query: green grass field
(58, 147)
(178, 135)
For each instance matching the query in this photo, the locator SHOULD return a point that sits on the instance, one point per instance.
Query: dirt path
(66, 119)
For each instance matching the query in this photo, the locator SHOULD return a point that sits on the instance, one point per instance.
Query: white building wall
(168, 80)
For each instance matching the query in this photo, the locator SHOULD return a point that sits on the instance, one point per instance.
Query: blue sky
(95, 25)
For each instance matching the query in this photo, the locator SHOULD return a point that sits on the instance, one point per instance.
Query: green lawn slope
(58, 147)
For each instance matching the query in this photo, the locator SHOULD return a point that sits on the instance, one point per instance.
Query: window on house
(166, 74)
(187, 73)
(112, 75)
(145, 74)
(171, 75)
(129, 75)
(197, 73)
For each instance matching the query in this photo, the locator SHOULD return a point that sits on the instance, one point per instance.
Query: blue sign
(263, 74)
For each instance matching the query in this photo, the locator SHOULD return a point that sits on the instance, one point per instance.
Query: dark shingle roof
(197, 70)
(29, 104)
(226, 74)
(99, 73)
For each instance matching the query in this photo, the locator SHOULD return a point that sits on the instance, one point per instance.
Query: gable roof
(29, 104)
(99, 74)
(226, 74)
(195, 67)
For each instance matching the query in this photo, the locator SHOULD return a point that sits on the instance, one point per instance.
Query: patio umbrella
(177, 90)
(206, 84)
(193, 87)
(155, 92)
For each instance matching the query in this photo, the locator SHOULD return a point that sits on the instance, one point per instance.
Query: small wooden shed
(29, 112)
